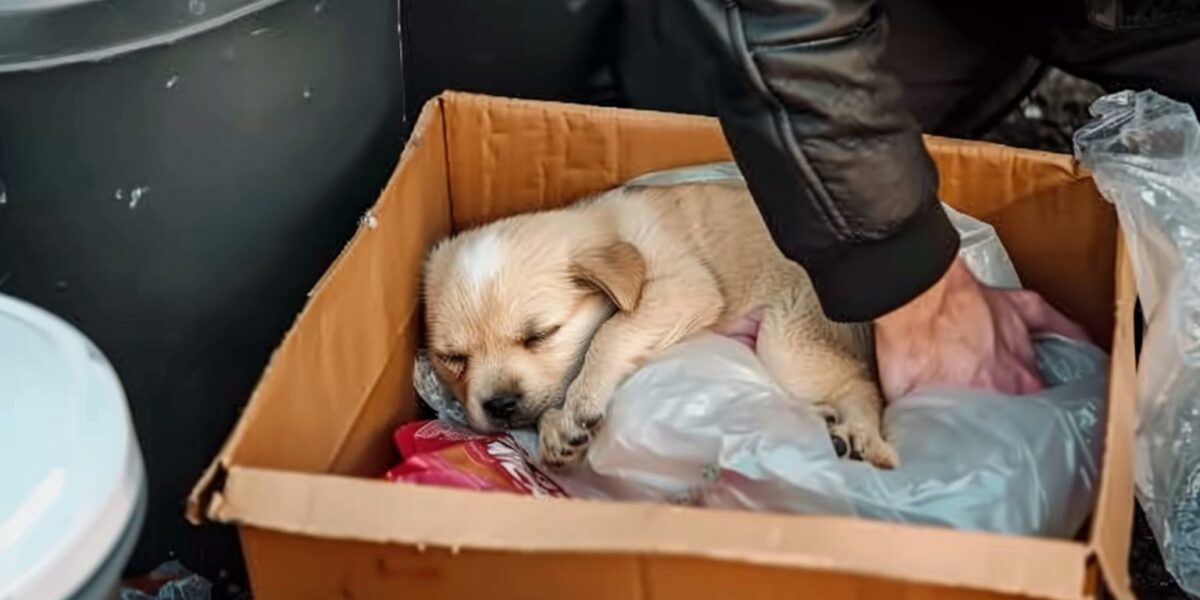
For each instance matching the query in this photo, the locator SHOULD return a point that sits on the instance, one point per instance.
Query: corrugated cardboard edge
(1111, 529)
(344, 508)
(965, 147)
(202, 495)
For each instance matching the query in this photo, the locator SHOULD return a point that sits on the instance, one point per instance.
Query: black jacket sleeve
(833, 158)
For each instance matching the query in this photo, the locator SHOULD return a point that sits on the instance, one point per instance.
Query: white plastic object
(72, 490)
(704, 424)
(1143, 150)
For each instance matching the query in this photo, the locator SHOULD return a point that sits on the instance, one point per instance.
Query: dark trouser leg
(957, 82)
(1165, 59)
(960, 73)
(654, 75)
(964, 65)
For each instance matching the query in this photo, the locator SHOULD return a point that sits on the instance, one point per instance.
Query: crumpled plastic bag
(1143, 150)
(437, 452)
(169, 581)
(704, 424)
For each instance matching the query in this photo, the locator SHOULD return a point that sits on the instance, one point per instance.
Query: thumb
(1028, 382)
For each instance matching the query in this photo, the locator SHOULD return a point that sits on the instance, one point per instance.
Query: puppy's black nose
(502, 406)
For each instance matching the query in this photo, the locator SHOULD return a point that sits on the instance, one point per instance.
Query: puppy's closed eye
(453, 361)
(535, 337)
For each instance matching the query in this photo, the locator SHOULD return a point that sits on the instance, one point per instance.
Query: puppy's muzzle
(501, 408)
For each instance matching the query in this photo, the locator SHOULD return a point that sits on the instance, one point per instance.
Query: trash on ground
(169, 581)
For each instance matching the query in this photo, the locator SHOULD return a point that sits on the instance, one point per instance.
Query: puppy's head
(512, 307)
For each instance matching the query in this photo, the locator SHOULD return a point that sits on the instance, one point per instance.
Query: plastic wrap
(1144, 152)
(704, 424)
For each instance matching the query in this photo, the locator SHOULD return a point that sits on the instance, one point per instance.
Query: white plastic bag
(1144, 152)
(703, 423)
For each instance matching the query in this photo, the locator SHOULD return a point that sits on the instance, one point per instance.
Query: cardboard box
(299, 476)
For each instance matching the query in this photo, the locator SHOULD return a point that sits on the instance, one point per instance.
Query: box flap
(1111, 528)
(365, 510)
(511, 156)
(359, 315)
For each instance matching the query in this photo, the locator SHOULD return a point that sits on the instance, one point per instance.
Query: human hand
(963, 333)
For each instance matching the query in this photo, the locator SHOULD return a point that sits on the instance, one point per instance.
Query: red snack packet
(438, 453)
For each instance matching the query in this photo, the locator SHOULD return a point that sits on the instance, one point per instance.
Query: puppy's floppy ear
(616, 269)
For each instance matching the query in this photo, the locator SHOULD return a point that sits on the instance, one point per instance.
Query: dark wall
(539, 49)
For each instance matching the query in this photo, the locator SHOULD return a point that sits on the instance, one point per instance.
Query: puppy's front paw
(858, 437)
(563, 442)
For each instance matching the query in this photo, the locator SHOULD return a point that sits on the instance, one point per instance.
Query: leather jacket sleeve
(832, 157)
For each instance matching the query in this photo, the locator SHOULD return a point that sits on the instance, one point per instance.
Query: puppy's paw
(878, 452)
(562, 441)
(584, 408)
(858, 438)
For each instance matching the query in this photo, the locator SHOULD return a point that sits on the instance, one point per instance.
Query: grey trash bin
(175, 175)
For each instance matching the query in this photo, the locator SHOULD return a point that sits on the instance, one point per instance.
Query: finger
(1041, 317)
(1003, 384)
(1028, 382)
(895, 373)
(1013, 379)
(1019, 342)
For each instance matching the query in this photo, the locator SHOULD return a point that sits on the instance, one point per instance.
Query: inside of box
(478, 159)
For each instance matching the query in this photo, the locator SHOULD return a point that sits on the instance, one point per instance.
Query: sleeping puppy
(538, 318)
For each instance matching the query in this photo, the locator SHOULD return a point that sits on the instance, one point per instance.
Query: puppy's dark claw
(839, 446)
(578, 440)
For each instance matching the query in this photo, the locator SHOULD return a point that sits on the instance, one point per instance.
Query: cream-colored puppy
(539, 317)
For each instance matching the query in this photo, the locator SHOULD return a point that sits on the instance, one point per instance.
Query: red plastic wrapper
(442, 454)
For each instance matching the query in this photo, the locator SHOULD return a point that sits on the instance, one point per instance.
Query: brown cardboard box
(299, 476)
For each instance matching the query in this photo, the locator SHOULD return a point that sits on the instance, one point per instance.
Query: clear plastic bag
(704, 424)
(1143, 150)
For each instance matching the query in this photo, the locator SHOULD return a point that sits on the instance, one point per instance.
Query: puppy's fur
(547, 313)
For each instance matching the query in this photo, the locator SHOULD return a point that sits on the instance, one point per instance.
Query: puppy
(538, 318)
